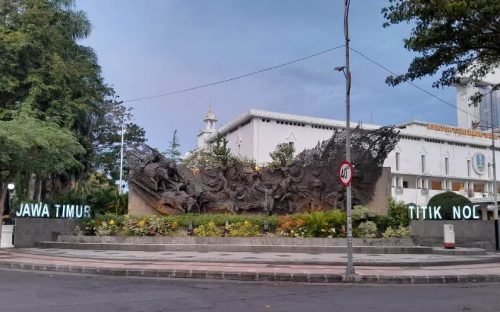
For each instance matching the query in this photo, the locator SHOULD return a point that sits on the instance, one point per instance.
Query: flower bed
(327, 224)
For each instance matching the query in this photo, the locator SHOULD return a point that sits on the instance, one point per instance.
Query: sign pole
(350, 266)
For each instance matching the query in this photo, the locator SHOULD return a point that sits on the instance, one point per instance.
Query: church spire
(210, 119)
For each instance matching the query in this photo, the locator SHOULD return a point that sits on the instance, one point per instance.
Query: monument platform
(312, 268)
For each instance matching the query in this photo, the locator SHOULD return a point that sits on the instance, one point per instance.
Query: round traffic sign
(345, 172)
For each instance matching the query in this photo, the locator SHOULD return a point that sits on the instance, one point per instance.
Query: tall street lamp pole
(495, 202)
(120, 185)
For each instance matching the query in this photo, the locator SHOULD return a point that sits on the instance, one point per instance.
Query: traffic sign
(345, 172)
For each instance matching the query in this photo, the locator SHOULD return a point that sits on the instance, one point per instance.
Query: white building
(428, 159)
(478, 117)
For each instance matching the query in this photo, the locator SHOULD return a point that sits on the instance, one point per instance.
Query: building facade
(428, 159)
(479, 116)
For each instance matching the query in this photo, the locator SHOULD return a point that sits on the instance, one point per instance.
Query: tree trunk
(32, 187)
(38, 190)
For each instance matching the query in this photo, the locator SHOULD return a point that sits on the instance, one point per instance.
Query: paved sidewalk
(270, 257)
(238, 270)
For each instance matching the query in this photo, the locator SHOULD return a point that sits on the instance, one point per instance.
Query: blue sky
(152, 47)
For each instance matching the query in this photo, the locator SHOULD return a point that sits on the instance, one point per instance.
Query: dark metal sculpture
(310, 183)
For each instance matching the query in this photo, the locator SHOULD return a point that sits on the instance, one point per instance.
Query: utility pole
(350, 266)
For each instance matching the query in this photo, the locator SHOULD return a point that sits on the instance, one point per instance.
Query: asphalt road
(40, 292)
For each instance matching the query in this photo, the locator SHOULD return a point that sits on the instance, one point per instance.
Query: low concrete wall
(28, 231)
(262, 241)
(468, 233)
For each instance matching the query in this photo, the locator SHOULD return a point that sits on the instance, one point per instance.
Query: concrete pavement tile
(451, 279)
(466, 278)
(112, 271)
(302, 278)
(370, 279)
(318, 278)
(214, 275)
(333, 278)
(282, 277)
(200, 274)
(90, 270)
(493, 278)
(435, 279)
(386, 279)
(270, 277)
(76, 269)
(248, 276)
(419, 279)
(232, 275)
(134, 272)
(181, 273)
(403, 279)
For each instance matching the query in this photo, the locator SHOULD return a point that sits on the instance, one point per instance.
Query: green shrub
(367, 229)
(314, 224)
(106, 228)
(447, 200)
(399, 232)
(243, 229)
(147, 226)
(336, 218)
(208, 230)
(361, 214)
(220, 219)
(397, 214)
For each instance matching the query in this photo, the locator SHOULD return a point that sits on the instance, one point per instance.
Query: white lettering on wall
(41, 210)
(434, 213)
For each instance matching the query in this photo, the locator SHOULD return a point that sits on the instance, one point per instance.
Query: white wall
(271, 133)
(241, 140)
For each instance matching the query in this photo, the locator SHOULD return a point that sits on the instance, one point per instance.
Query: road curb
(255, 276)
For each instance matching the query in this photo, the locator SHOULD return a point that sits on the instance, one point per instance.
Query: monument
(162, 186)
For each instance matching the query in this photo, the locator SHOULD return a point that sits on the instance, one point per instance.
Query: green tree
(282, 155)
(446, 201)
(43, 65)
(459, 37)
(29, 145)
(173, 151)
(221, 152)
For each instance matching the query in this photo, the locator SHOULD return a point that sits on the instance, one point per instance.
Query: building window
(446, 166)
(397, 161)
(422, 158)
(291, 144)
(405, 184)
(468, 167)
(436, 185)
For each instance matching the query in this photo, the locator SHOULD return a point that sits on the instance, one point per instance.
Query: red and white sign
(345, 172)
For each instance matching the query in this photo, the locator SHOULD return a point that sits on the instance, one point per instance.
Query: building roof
(414, 128)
